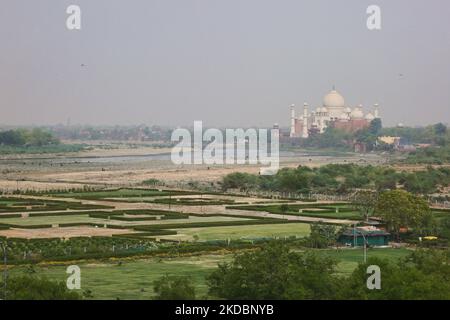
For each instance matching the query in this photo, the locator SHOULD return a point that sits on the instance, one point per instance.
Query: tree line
(27, 137)
(334, 138)
(340, 179)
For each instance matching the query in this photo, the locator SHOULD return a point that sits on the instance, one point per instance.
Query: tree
(174, 288)
(440, 129)
(36, 288)
(375, 126)
(274, 272)
(322, 235)
(238, 180)
(365, 202)
(423, 275)
(399, 208)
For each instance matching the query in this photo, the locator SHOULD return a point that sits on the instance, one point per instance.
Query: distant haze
(225, 62)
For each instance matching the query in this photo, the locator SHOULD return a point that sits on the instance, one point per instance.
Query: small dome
(348, 110)
(357, 113)
(344, 116)
(333, 100)
(370, 116)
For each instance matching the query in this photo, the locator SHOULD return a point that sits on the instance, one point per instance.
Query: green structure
(356, 237)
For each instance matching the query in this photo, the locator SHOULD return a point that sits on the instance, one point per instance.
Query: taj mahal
(332, 113)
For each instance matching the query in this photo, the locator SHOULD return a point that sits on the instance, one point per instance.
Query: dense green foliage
(35, 140)
(433, 134)
(322, 235)
(36, 288)
(400, 209)
(436, 135)
(430, 155)
(423, 275)
(22, 137)
(365, 202)
(275, 272)
(340, 178)
(174, 288)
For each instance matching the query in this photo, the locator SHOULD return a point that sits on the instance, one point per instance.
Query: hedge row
(192, 202)
(14, 215)
(17, 226)
(140, 235)
(121, 218)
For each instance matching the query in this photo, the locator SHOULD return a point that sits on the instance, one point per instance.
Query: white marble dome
(333, 100)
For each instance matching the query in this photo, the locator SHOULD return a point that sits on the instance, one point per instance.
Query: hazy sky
(226, 62)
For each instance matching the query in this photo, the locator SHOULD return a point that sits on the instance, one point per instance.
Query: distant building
(332, 113)
(389, 140)
(399, 143)
(372, 236)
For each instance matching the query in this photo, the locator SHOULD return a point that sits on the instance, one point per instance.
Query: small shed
(370, 235)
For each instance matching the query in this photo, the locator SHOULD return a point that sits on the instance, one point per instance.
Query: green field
(132, 279)
(51, 220)
(349, 258)
(238, 232)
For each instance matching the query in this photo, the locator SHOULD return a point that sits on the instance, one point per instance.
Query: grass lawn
(133, 279)
(349, 258)
(51, 220)
(237, 232)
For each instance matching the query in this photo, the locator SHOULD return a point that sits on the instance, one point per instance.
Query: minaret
(375, 111)
(305, 120)
(292, 135)
(276, 129)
